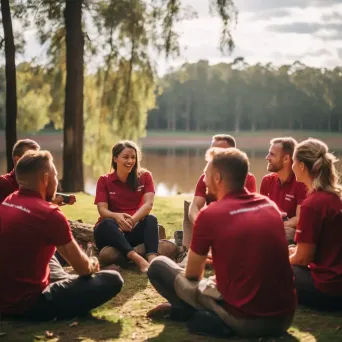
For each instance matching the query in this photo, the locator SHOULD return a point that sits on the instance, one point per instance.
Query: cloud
(305, 27)
(339, 51)
(272, 13)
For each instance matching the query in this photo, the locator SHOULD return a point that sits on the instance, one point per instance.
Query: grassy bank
(123, 318)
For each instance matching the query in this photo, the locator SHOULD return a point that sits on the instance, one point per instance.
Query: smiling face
(299, 170)
(275, 158)
(126, 160)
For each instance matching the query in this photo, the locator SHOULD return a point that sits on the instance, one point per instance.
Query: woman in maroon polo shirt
(124, 199)
(317, 259)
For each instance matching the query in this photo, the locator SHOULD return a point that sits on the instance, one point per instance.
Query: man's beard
(274, 167)
(50, 197)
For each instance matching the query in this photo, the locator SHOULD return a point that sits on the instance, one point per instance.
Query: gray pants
(57, 272)
(169, 280)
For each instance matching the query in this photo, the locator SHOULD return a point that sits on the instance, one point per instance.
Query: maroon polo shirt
(320, 223)
(30, 230)
(201, 188)
(119, 196)
(8, 184)
(287, 196)
(250, 254)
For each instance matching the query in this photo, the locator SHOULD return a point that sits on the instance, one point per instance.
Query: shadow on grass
(178, 331)
(85, 328)
(104, 323)
(322, 325)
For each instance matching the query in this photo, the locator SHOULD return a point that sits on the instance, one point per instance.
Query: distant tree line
(239, 96)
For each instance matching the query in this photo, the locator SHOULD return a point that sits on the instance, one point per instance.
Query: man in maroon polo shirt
(281, 185)
(8, 182)
(253, 293)
(31, 228)
(202, 195)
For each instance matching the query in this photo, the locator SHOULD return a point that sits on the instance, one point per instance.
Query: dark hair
(232, 165)
(314, 154)
(288, 144)
(21, 146)
(134, 175)
(225, 137)
(32, 163)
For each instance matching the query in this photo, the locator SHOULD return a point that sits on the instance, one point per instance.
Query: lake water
(175, 170)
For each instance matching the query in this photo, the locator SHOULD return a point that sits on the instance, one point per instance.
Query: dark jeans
(309, 295)
(69, 298)
(107, 233)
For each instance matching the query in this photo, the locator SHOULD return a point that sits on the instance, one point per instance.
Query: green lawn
(123, 318)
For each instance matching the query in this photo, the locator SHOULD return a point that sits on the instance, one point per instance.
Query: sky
(268, 31)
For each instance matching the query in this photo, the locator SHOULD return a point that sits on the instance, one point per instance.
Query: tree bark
(11, 83)
(73, 112)
(84, 232)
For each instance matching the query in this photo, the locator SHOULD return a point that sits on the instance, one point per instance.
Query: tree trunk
(11, 83)
(73, 111)
(237, 115)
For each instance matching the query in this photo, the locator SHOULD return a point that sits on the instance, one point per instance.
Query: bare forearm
(193, 213)
(77, 259)
(106, 213)
(143, 211)
(292, 222)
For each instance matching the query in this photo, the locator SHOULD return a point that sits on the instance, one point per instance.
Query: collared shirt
(201, 188)
(287, 196)
(8, 184)
(30, 230)
(320, 223)
(250, 254)
(119, 196)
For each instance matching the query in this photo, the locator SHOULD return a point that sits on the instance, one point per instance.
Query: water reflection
(175, 170)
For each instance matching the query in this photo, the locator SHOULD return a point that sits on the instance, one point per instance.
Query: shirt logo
(289, 197)
(111, 193)
(20, 207)
(140, 187)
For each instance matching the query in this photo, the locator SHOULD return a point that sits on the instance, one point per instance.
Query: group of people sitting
(267, 249)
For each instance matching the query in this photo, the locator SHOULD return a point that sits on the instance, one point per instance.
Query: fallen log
(83, 232)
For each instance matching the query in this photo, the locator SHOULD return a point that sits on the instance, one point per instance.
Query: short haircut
(288, 144)
(225, 137)
(33, 163)
(21, 146)
(232, 164)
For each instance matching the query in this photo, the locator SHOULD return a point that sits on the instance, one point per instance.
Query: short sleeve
(309, 225)
(264, 187)
(59, 232)
(5, 189)
(202, 237)
(301, 193)
(201, 188)
(101, 191)
(148, 183)
(250, 183)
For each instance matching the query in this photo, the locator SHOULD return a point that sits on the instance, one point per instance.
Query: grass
(123, 318)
